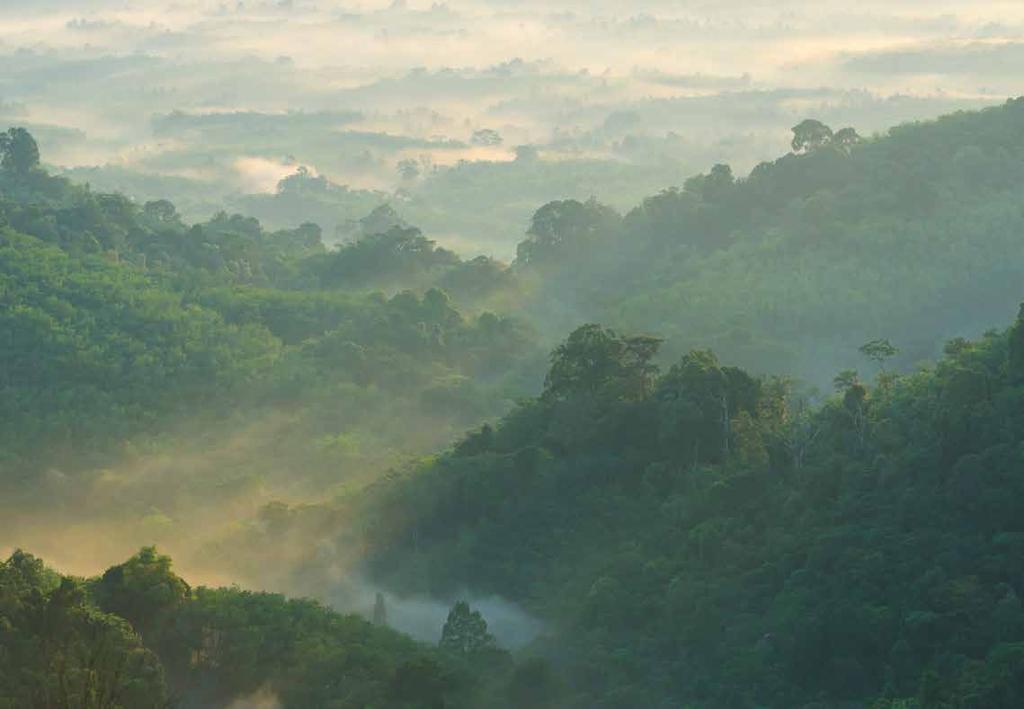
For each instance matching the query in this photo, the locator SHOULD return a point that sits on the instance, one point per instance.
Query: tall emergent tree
(810, 134)
(465, 632)
(19, 152)
(597, 360)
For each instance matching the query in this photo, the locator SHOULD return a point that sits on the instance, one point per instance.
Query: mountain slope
(914, 235)
(708, 540)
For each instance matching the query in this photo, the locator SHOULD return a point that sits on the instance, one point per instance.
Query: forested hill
(704, 538)
(689, 533)
(162, 382)
(139, 637)
(915, 235)
(120, 323)
(698, 537)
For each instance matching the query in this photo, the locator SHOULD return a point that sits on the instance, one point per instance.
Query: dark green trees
(845, 138)
(564, 230)
(380, 610)
(879, 351)
(401, 255)
(596, 360)
(698, 402)
(142, 590)
(810, 134)
(757, 551)
(465, 632)
(18, 151)
(1015, 362)
(204, 647)
(58, 650)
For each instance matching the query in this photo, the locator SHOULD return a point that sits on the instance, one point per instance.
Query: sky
(238, 93)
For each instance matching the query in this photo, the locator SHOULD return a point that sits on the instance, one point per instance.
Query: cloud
(423, 617)
(259, 175)
(981, 59)
(222, 92)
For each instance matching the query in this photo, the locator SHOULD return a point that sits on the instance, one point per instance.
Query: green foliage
(791, 268)
(227, 643)
(399, 255)
(879, 351)
(701, 537)
(595, 360)
(94, 352)
(1016, 347)
(560, 231)
(18, 151)
(752, 553)
(465, 632)
(59, 650)
(810, 134)
(119, 321)
(142, 590)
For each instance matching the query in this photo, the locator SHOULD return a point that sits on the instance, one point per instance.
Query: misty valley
(329, 407)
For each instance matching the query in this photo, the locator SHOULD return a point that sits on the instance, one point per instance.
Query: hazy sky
(799, 43)
(626, 80)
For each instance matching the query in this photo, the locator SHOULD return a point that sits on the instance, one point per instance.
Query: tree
(855, 398)
(561, 230)
(465, 632)
(19, 152)
(142, 589)
(596, 360)
(846, 138)
(845, 379)
(879, 351)
(810, 134)
(799, 430)
(713, 186)
(161, 210)
(58, 650)
(380, 610)
(380, 220)
(1016, 347)
(397, 253)
(639, 351)
(486, 137)
(698, 399)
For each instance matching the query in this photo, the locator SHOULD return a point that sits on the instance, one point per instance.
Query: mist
(422, 617)
(470, 353)
(205, 102)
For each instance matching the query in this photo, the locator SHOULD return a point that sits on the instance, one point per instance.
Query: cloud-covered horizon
(229, 92)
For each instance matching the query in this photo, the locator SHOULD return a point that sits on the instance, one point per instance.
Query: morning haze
(533, 355)
(351, 90)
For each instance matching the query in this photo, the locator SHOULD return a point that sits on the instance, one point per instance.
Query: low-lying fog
(204, 101)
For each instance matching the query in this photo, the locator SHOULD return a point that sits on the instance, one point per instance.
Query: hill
(689, 533)
(154, 373)
(139, 636)
(912, 235)
(703, 538)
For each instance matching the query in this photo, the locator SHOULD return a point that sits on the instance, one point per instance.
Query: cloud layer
(230, 92)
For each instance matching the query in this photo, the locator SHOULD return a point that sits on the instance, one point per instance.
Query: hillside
(913, 235)
(155, 373)
(680, 522)
(140, 637)
(702, 538)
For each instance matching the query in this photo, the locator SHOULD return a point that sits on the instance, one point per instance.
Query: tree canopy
(19, 152)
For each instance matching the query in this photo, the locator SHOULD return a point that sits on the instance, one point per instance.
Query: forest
(755, 442)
